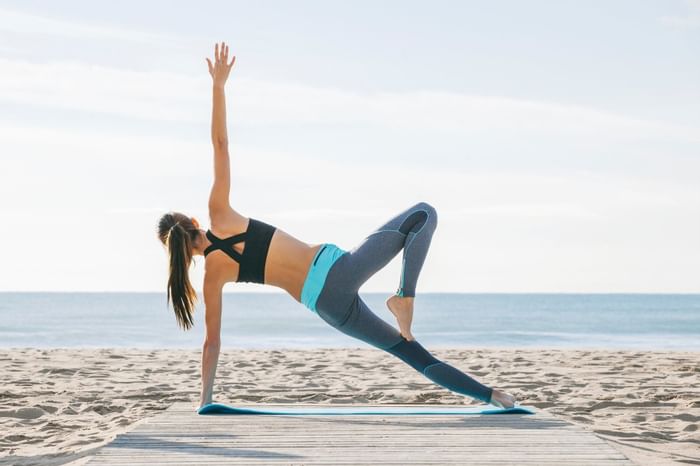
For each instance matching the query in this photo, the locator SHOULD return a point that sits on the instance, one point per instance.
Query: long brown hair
(179, 234)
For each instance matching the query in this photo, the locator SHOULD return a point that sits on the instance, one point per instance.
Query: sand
(59, 406)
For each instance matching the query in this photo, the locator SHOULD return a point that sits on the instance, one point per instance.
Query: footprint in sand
(48, 408)
(582, 419)
(23, 413)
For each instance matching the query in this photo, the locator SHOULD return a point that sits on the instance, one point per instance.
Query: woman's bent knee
(430, 210)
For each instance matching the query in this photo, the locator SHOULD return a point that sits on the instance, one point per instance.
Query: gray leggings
(340, 305)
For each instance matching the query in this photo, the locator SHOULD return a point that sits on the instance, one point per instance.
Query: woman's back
(285, 262)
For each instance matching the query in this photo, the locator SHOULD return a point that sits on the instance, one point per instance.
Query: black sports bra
(257, 239)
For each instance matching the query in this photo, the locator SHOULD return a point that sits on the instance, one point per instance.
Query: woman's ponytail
(178, 232)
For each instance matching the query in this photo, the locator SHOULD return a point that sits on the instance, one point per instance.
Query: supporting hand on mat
(502, 399)
(220, 70)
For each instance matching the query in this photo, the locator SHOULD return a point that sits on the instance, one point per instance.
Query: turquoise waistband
(324, 259)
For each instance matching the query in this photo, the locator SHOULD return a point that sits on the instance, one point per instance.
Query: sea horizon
(261, 320)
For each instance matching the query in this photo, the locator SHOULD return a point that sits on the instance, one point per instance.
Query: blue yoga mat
(220, 408)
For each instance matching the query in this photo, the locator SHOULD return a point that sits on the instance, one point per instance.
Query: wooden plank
(180, 436)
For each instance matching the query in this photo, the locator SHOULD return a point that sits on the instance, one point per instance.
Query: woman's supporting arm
(210, 358)
(212, 343)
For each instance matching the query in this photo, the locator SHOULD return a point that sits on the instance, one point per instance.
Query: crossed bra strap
(226, 244)
(257, 239)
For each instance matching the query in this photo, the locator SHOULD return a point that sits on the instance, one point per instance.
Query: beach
(60, 405)
(526, 172)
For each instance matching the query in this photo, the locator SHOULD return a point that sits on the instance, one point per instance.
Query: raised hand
(220, 70)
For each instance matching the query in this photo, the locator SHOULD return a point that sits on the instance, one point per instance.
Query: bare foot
(402, 308)
(502, 399)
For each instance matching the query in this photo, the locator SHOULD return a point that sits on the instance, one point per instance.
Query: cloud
(160, 167)
(524, 209)
(31, 24)
(137, 210)
(103, 90)
(168, 96)
(690, 20)
(499, 223)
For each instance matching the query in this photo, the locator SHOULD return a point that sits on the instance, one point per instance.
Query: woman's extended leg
(361, 323)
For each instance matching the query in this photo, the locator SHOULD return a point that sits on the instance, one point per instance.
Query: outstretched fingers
(225, 57)
(221, 67)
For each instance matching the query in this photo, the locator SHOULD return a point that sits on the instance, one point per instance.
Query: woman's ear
(195, 222)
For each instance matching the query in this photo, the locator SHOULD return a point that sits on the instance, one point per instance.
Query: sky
(558, 141)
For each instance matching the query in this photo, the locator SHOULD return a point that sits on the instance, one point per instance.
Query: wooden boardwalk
(180, 436)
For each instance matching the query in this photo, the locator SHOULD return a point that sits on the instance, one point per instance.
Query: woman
(323, 277)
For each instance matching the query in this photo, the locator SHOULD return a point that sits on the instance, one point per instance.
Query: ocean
(275, 320)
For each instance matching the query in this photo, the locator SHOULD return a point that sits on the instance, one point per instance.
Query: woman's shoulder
(227, 222)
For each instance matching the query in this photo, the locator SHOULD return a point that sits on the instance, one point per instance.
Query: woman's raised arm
(219, 71)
